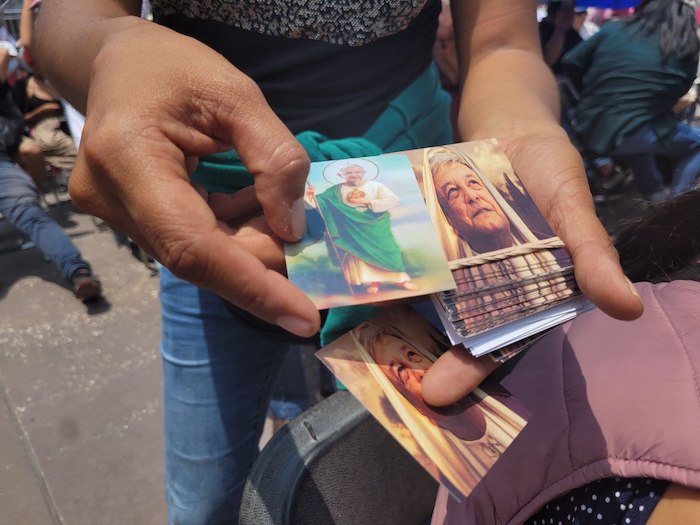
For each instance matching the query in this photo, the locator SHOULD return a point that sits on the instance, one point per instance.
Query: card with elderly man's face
(507, 262)
(369, 235)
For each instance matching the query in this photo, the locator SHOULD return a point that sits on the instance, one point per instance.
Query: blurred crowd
(627, 107)
(37, 151)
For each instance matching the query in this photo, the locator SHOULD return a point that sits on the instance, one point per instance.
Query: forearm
(506, 86)
(59, 25)
(507, 92)
(44, 111)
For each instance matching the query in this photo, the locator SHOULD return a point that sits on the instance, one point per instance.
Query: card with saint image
(369, 235)
(382, 362)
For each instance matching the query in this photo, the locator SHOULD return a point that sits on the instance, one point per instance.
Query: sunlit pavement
(80, 417)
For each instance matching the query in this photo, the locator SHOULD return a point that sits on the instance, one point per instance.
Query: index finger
(278, 163)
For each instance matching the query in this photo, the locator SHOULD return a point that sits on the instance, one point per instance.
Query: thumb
(596, 263)
(454, 375)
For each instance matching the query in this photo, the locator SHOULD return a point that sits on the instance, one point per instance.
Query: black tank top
(330, 66)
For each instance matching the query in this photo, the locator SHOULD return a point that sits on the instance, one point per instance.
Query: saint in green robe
(365, 234)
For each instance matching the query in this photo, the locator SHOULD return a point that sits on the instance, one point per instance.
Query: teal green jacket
(624, 84)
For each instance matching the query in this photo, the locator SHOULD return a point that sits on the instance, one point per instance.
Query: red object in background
(26, 57)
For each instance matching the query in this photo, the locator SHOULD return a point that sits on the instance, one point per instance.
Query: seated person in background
(20, 204)
(557, 33)
(630, 75)
(28, 154)
(41, 106)
(615, 404)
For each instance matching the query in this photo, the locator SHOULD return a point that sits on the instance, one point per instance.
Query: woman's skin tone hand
(159, 100)
(508, 93)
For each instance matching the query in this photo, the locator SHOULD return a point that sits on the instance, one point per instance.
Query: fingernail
(296, 325)
(298, 222)
(633, 289)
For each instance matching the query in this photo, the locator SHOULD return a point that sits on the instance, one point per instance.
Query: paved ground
(80, 433)
(80, 409)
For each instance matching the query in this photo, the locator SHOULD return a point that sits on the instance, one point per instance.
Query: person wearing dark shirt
(630, 75)
(557, 33)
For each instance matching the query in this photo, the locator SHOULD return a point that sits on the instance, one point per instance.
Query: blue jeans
(639, 148)
(218, 376)
(290, 396)
(20, 204)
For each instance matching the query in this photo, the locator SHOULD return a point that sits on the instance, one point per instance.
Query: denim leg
(19, 203)
(647, 177)
(637, 152)
(685, 146)
(218, 374)
(291, 394)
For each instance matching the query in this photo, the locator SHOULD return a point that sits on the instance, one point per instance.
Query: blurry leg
(218, 374)
(685, 147)
(58, 148)
(291, 394)
(637, 151)
(646, 175)
(19, 202)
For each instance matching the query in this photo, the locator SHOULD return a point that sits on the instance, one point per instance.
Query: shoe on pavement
(85, 286)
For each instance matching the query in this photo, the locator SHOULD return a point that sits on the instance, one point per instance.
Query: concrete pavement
(80, 413)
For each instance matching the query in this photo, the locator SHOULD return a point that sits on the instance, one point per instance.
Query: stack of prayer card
(451, 222)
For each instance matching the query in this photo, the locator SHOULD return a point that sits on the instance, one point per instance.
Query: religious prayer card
(369, 235)
(382, 362)
(382, 227)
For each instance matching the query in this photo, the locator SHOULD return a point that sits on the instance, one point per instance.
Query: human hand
(157, 101)
(241, 217)
(310, 191)
(360, 201)
(552, 171)
(564, 198)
